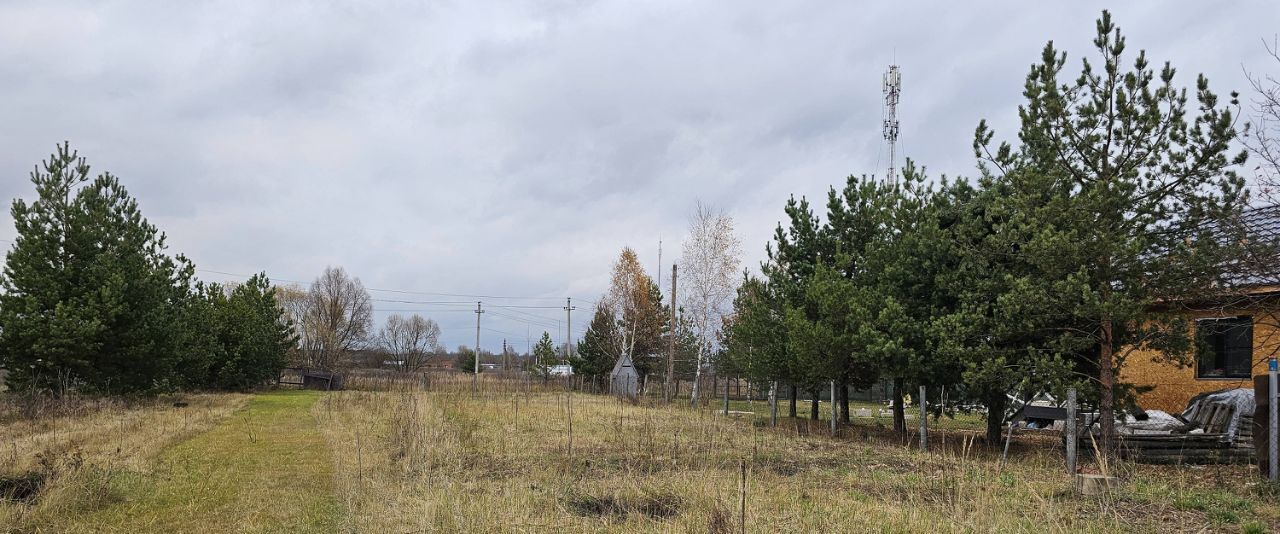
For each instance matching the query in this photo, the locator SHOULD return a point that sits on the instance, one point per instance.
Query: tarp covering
(1242, 398)
(1156, 422)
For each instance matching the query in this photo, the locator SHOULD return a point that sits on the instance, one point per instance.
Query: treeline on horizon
(92, 302)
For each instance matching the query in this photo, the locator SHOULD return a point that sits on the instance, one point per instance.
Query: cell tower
(892, 90)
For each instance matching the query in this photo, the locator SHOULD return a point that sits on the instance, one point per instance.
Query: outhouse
(624, 380)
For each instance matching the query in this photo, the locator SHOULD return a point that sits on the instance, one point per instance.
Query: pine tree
(90, 298)
(466, 360)
(755, 335)
(1111, 188)
(544, 352)
(253, 336)
(600, 346)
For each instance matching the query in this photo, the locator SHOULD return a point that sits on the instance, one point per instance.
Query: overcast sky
(511, 149)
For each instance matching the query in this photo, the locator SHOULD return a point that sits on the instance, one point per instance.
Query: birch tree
(709, 262)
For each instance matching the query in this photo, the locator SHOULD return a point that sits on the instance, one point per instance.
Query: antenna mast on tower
(892, 90)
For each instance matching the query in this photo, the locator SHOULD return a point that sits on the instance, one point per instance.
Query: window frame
(1245, 321)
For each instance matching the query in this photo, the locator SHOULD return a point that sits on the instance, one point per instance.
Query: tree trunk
(899, 412)
(843, 392)
(996, 403)
(1106, 382)
(795, 395)
(813, 406)
(697, 381)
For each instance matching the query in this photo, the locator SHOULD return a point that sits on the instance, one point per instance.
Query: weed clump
(654, 506)
(22, 488)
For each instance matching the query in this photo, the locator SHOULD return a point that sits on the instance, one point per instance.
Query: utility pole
(892, 91)
(671, 338)
(504, 354)
(476, 375)
(568, 321)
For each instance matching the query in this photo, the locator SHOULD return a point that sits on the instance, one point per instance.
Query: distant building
(440, 361)
(560, 370)
(624, 381)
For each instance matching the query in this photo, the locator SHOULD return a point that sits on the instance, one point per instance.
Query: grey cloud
(509, 149)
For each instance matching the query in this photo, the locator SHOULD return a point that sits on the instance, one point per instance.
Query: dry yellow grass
(522, 457)
(107, 430)
(81, 445)
(500, 461)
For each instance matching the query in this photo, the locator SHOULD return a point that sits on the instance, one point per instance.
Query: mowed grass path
(265, 469)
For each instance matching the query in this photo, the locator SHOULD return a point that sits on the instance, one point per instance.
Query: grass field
(511, 461)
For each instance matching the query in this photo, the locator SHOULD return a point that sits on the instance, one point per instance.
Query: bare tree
(296, 302)
(331, 319)
(411, 341)
(1263, 136)
(709, 276)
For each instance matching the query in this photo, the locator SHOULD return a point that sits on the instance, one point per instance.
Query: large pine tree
(91, 299)
(1107, 188)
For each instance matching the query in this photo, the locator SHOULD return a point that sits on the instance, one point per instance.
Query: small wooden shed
(624, 380)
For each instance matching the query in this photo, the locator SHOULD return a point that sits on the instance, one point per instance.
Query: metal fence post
(773, 403)
(924, 420)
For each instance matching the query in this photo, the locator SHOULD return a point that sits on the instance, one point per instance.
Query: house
(563, 369)
(439, 361)
(624, 381)
(1238, 331)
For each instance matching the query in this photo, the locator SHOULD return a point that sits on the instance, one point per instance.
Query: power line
(451, 302)
(409, 292)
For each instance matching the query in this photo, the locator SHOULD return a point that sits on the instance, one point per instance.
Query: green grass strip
(265, 469)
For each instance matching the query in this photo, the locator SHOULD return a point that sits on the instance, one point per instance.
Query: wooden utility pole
(671, 339)
(568, 327)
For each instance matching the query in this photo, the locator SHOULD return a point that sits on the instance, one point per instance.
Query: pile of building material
(1215, 428)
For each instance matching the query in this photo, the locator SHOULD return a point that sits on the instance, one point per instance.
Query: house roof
(1260, 227)
(1262, 232)
(1262, 222)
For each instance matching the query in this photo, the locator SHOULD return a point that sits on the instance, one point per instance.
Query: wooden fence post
(1071, 431)
(833, 408)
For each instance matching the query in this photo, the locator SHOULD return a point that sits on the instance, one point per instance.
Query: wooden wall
(1175, 385)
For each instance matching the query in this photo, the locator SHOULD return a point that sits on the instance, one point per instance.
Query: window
(1225, 347)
